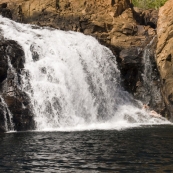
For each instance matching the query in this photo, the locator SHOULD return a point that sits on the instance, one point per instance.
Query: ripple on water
(147, 149)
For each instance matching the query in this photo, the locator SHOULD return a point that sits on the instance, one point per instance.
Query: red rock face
(164, 51)
(110, 21)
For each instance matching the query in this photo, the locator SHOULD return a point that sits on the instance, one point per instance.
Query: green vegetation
(146, 4)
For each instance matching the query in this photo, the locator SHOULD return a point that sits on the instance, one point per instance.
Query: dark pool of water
(147, 149)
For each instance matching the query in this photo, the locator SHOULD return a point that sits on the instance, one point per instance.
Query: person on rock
(151, 113)
(155, 114)
(145, 107)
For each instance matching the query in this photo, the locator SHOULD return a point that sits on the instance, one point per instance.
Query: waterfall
(151, 91)
(73, 81)
(8, 124)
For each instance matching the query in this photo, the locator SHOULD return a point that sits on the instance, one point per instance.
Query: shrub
(146, 4)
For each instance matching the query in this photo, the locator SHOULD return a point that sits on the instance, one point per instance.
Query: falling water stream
(8, 124)
(73, 81)
(151, 91)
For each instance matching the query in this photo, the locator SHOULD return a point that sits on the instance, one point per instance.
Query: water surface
(146, 149)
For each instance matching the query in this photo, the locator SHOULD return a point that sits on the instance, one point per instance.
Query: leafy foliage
(146, 4)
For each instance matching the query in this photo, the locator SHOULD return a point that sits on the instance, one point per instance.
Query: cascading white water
(151, 91)
(7, 120)
(73, 81)
(5, 114)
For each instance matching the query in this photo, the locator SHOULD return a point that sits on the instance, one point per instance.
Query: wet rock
(35, 55)
(4, 11)
(12, 62)
(141, 77)
(150, 90)
(3, 63)
(131, 67)
(4, 5)
(20, 107)
(16, 54)
(131, 56)
(2, 120)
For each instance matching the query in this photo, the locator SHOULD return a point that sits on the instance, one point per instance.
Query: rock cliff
(164, 52)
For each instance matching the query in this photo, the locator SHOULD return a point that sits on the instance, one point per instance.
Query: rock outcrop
(165, 52)
(12, 99)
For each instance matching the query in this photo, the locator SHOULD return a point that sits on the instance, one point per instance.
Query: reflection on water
(147, 149)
